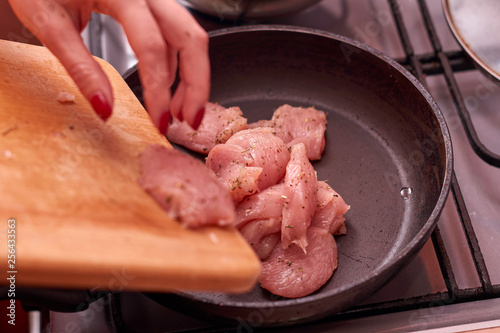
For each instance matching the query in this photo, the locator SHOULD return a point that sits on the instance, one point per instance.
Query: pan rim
(482, 64)
(421, 237)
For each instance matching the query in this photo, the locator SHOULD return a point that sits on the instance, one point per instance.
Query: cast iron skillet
(384, 134)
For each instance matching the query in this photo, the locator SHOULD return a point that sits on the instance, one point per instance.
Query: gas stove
(453, 284)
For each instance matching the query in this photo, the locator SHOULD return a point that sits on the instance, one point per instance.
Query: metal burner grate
(446, 63)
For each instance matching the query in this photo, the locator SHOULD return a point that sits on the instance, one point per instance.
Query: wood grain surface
(69, 181)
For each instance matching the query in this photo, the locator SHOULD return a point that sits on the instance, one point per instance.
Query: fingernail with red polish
(198, 118)
(101, 105)
(164, 122)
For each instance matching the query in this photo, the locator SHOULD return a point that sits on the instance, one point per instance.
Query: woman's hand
(157, 30)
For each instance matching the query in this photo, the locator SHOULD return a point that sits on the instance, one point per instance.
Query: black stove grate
(447, 64)
(440, 62)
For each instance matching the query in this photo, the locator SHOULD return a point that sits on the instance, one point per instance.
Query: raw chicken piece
(266, 150)
(266, 245)
(330, 210)
(259, 216)
(342, 230)
(267, 204)
(297, 124)
(300, 204)
(292, 273)
(168, 176)
(233, 170)
(255, 234)
(250, 161)
(218, 125)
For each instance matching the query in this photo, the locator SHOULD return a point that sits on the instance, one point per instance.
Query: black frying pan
(384, 134)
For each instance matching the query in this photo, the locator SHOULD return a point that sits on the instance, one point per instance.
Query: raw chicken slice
(342, 230)
(298, 124)
(259, 216)
(250, 161)
(266, 150)
(330, 210)
(233, 170)
(267, 204)
(266, 245)
(292, 273)
(255, 233)
(300, 204)
(218, 125)
(167, 175)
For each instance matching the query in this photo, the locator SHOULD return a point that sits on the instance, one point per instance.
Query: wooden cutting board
(69, 182)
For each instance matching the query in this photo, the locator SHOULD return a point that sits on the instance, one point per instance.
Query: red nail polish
(198, 118)
(100, 105)
(164, 122)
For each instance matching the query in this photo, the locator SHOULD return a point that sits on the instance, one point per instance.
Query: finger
(175, 103)
(151, 51)
(172, 62)
(177, 100)
(55, 28)
(184, 34)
